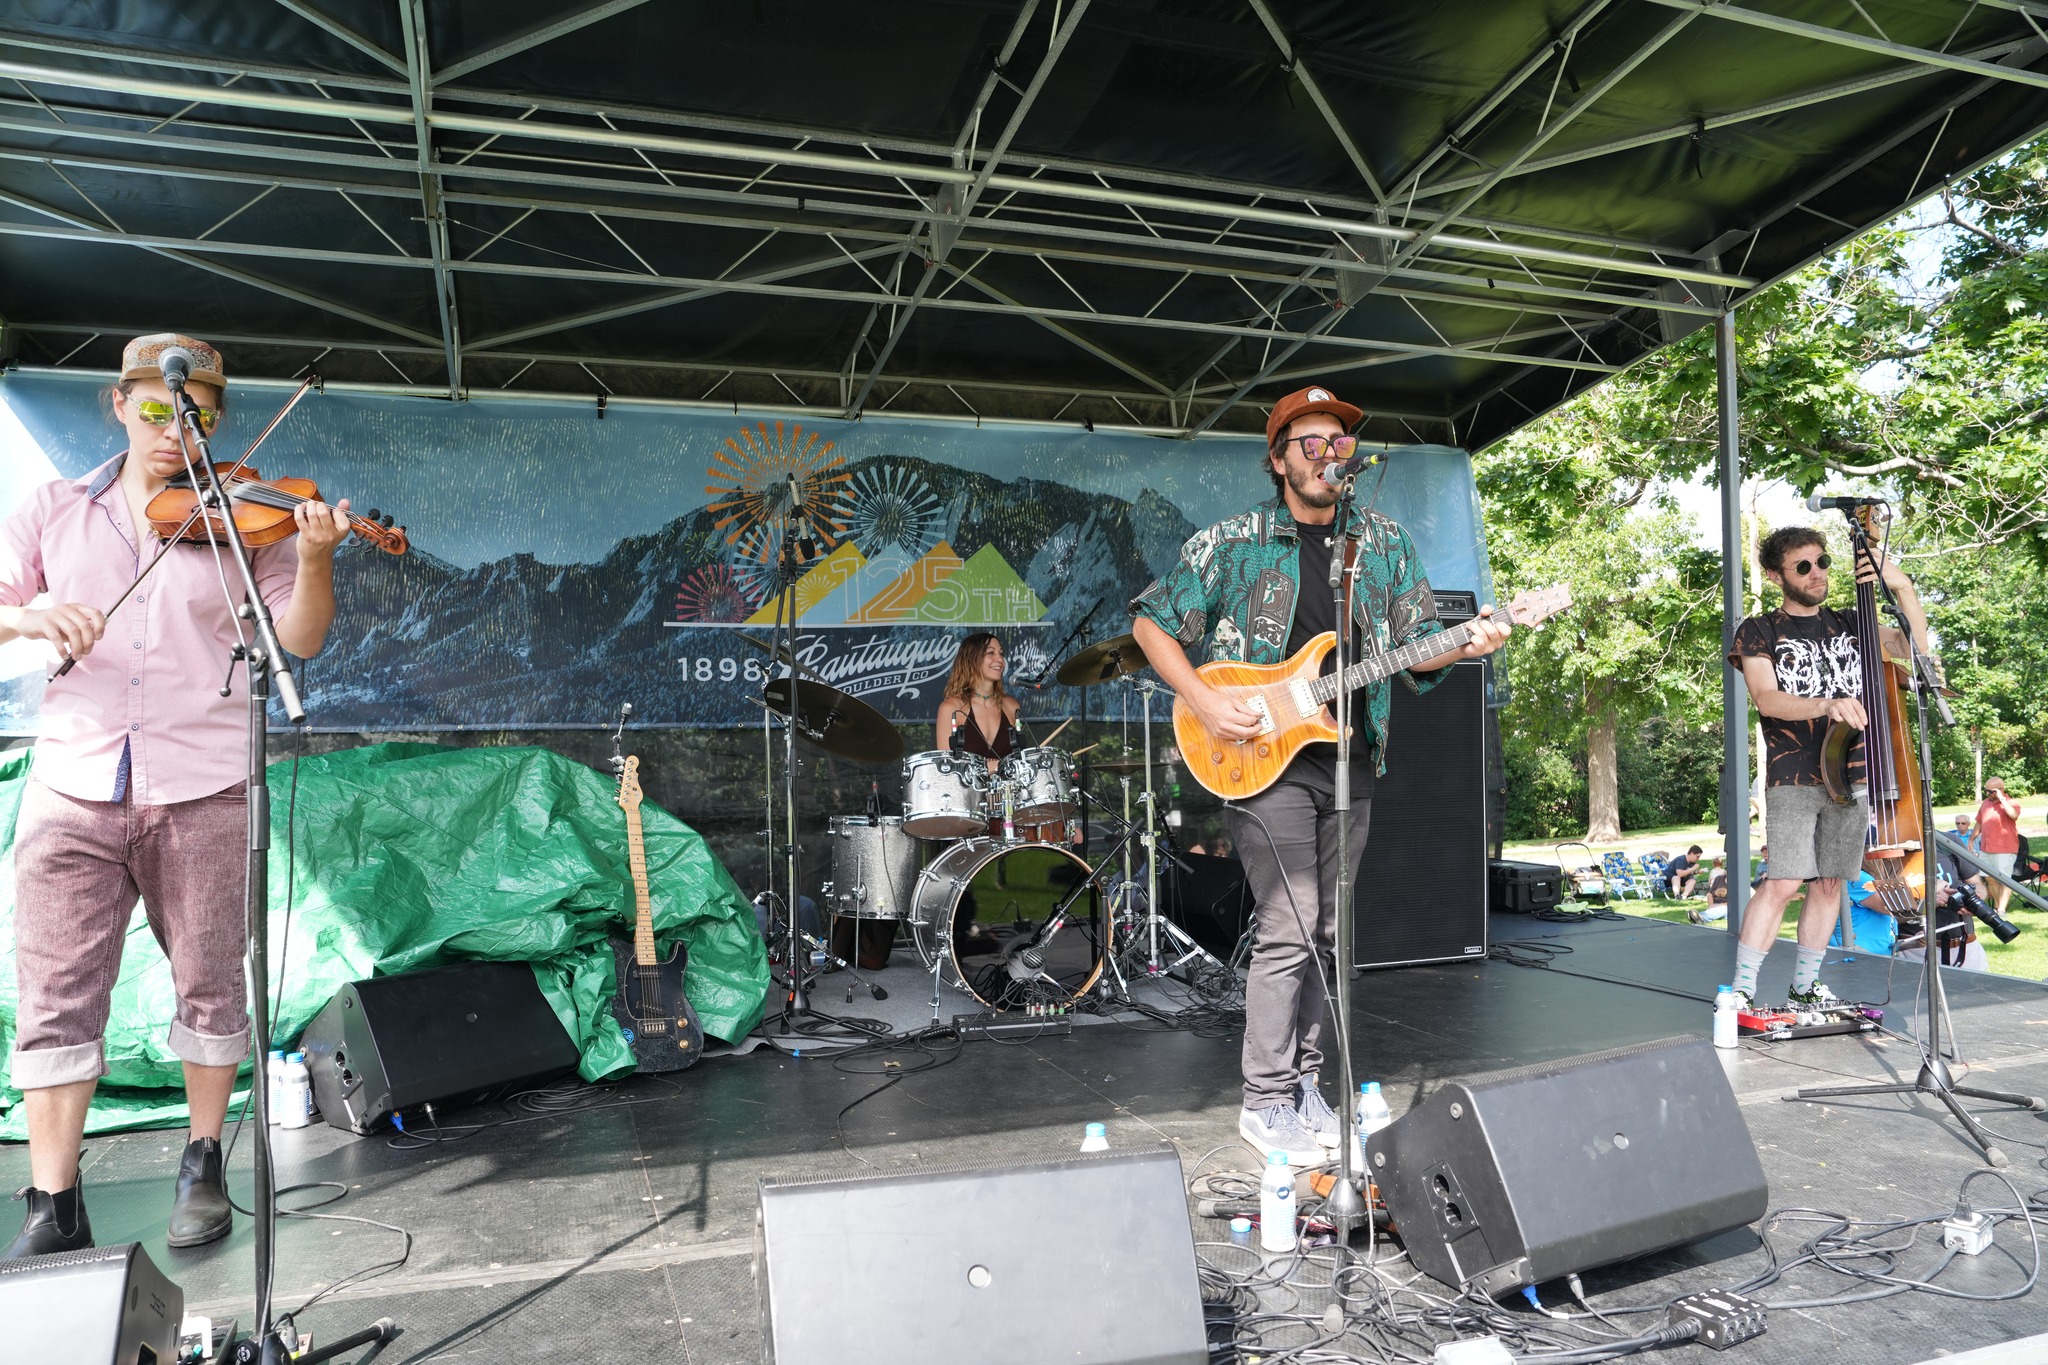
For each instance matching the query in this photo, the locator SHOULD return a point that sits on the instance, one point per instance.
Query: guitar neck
(1370, 670)
(643, 923)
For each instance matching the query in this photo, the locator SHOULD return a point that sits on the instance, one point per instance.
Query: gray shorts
(1811, 836)
(2001, 863)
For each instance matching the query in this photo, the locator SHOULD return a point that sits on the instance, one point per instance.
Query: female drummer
(137, 788)
(976, 716)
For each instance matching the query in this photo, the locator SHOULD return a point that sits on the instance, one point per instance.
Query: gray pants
(1290, 860)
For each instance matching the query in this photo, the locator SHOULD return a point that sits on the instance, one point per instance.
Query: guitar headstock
(629, 784)
(1537, 605)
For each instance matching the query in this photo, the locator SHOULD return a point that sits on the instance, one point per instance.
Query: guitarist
(1257, 585)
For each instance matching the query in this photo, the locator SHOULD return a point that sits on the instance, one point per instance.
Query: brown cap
(140, 358)
(1301, 403)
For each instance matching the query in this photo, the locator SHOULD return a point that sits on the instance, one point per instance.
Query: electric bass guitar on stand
(1292, 699)
(652, 1010)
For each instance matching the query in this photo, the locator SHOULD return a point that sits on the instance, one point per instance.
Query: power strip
(1011, 1026)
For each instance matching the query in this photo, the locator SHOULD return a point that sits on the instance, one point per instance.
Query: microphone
(1335, 474)
(176, 363)
(1818, 503)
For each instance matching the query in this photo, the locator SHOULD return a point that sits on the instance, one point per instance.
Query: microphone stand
(1934, 1077)
(266, 663)
(1345, 1206)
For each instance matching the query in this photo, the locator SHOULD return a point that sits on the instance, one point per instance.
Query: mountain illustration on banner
(846, 588)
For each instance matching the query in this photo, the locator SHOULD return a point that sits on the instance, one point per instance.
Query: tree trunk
(1603, 786)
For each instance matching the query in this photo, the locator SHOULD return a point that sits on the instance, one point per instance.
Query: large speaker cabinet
(1422, 882)
(100, 1306)
(1088, 1261)
(1517, 1177)
(393, 1042)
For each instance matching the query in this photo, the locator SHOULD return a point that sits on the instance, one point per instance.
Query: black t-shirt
(1812, 656)
(1315, 767)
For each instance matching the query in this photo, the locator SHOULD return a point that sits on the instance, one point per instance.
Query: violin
(263, 511)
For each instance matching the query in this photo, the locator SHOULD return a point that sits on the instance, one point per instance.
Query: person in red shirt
(1998, 822)
(138, 788)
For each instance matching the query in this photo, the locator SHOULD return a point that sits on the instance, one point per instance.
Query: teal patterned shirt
(1238, 581)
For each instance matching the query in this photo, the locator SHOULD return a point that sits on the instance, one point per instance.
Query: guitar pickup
(1305, 705)
(1257, 703)
(653, 1028)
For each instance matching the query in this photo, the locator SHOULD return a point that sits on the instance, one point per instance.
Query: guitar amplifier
(446, 1033)
(1422, 877)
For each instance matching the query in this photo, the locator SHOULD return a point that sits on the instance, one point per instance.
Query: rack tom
(945, 795)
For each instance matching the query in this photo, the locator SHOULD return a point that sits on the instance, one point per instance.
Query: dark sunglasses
(1318, 447)
(159, 414)
(1801, 569)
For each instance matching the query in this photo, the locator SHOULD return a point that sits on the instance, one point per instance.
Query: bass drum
(981, 897)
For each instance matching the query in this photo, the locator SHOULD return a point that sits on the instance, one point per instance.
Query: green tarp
(414, 855)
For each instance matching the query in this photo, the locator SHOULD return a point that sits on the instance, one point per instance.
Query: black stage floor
(625, 1231)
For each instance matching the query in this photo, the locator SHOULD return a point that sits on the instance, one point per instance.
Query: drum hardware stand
(795, 534)
(1156, 923)
(1934, 1078)
(1025, 961)
(266, 662)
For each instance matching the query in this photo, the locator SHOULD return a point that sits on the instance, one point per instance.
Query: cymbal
(772, 650)
(837, 723)
(1101, 662)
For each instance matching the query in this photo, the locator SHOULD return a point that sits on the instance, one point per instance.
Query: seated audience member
(1959, 943)
(1716, 908)
(1221, 847)
(1763, 863)
(1876, 931)
(1683, 873)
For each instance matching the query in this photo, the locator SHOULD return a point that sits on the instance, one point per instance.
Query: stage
(626, 1227)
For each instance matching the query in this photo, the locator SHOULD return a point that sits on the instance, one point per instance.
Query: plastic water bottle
(1241, 1231)
(1725, 1021)
(1095, 1139)
(1276, 1205)
(1371, 1115)
(273, 1075)
(295, 1098)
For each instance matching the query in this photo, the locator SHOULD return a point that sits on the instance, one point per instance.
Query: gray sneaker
(1277, 1128)
(1316, 1114)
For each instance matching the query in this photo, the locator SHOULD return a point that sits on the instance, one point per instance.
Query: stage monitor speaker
(1088, 1260)
(1517, 1177)
(446, 1033)
(101, 1306)
(1422, 881)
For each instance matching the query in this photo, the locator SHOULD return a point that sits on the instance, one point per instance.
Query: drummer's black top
(969, 739)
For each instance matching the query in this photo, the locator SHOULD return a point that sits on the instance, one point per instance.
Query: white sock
(1747, 961)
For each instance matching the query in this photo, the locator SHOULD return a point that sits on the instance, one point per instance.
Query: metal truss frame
(1449, 280)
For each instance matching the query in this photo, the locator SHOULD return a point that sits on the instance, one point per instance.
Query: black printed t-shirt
(1812, 656)
(1315, 767)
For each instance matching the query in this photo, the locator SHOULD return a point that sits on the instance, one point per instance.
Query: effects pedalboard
(1774, 1023)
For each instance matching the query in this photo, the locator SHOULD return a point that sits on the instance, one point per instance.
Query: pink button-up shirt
(142, 714)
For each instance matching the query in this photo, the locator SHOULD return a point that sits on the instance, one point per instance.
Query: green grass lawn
(2025, 956)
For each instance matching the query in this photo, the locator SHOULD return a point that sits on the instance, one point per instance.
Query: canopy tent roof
(1158, 213)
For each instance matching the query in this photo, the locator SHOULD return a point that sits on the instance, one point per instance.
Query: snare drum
(874, 868)
(1040, 790)
(981, 896)
(945, 795)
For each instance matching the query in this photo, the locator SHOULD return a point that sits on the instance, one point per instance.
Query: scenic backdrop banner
(563, 562)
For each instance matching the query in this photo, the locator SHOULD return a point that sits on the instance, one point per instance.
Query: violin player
(138, 786)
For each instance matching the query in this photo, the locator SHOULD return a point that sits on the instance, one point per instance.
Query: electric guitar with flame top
(652, 1010)
(1292, 700)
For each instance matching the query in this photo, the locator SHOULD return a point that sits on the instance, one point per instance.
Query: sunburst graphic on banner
(714, 592)
(753, 565)
(747, 473)
(890, 506)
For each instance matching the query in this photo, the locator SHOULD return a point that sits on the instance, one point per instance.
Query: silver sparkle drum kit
(980, 865)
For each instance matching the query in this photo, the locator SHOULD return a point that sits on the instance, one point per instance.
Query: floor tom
(874, 868)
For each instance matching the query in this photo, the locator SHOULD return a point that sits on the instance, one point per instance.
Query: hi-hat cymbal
(837, 723)
(1101, 662)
